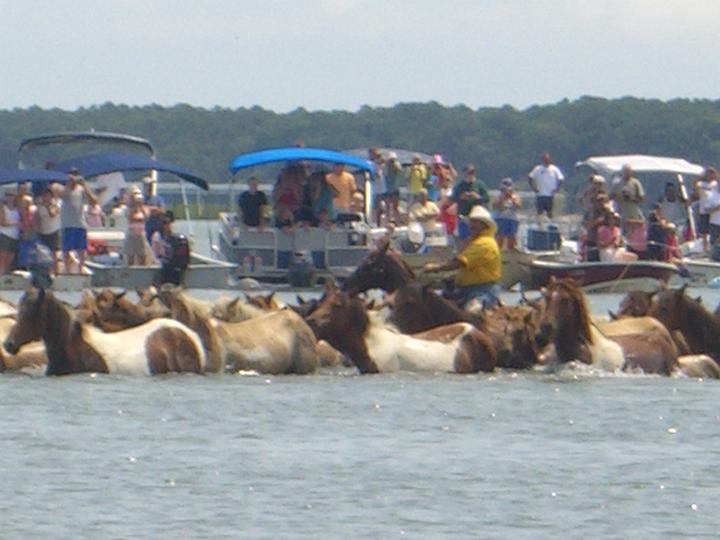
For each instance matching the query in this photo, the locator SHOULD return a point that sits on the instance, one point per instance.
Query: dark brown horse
(417, 308)
(576, 338)
(700, 328)
(383, 268)
(373, 347)
(159, 346)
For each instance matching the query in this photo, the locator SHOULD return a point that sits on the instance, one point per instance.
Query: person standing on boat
(75, 195)
(467, 193)
(9, 230)
(393, 175)
(479, 265)
(425, 212)
(506, 206)
(344, 186)
(48, 218)
(545, 180)
(322, 195)
(704, 188)
(416, 177)
(251, 206)
(379, 184)
(672, 206)
(628, 194)
(154, 206)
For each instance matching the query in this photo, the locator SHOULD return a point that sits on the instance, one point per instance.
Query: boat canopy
(405, 157)
(262, 157)
(75, 137)
(12, 176)
(610, 165)
(96, 164)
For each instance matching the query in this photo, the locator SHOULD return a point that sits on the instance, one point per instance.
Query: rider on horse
(479, 265)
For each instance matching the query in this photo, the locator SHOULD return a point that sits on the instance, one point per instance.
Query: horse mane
(569, 286)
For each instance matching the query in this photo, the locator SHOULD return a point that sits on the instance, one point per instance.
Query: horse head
(338, 318)
(566, 318)
(32, 320)
(382, 268)
(636, 304)
(670, 307)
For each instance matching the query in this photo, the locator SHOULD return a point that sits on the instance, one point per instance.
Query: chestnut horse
(382, 268)
(159, 346)
(576, 338)
(701, 328)
(417, 308)
(373, 347)
(30, 356)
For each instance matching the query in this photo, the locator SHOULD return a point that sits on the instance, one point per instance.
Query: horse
(417, 308)
(382, 268)
(700, 328)
(374, 347)
(158, 346)
(30, 356)
(275, 343)
(576, 338)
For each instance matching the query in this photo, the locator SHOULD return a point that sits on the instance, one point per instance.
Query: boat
(105, 266)
(603, 276)
(700, 269)
(307, 255)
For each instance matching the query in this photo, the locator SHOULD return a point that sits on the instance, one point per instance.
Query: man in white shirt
(545, 180)
(424, 211)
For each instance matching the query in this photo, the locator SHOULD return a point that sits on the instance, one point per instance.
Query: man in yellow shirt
(479, 265)
(343, 184)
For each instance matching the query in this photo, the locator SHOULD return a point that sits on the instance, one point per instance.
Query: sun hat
(392, 155)
(437, 159)
(480, 213)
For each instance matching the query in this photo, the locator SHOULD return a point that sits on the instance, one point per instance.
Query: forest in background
(500, 141)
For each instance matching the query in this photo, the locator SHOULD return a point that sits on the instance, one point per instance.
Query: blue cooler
(544, 240)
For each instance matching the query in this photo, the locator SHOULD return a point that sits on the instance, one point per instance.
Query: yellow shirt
(344, 183)
(480, 261)
(416, 178)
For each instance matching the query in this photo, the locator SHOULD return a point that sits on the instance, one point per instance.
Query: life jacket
(179, 255)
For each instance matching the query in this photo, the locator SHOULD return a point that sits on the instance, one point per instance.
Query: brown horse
(576, 338)
(373, 347)
(30, 356)
(701, 328)
(382, 268)
(417, 308)
(159, 346)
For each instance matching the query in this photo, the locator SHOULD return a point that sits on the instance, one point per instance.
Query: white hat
(480, 213)
(392, 155)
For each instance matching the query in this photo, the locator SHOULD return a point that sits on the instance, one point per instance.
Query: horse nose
(9, 346)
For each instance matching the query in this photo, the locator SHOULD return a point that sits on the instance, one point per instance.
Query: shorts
(463, 230)
(52, 240)
(488, 294)
(507, 227)
(74, 238)
(7, 244)
(135, 245)
(703, 224)
(544, 203)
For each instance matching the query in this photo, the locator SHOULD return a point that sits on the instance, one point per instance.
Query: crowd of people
(615, 226)
(58, 217)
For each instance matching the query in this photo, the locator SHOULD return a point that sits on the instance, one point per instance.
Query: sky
(344, 54)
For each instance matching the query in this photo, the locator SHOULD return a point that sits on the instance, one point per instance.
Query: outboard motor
(39, 264)
(301, 270)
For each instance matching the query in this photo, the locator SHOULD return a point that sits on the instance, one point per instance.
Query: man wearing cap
(545, 180)
(75, 195)
(467, 193)
(479, 265)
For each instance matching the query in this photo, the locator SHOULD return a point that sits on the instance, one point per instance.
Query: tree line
(500, 141)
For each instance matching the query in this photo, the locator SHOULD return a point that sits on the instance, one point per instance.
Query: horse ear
(699, 300)
(371, 304)
(523, 299)
(528, 318)
(383, 247)
(299, 299)
(120, 295)
(269, 298)
(234, 302)
(330, 286)
(683, 288)
(612, 316)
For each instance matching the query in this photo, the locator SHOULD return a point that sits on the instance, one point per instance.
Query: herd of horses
(414, 328)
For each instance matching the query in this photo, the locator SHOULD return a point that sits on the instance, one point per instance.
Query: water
(337, 455)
